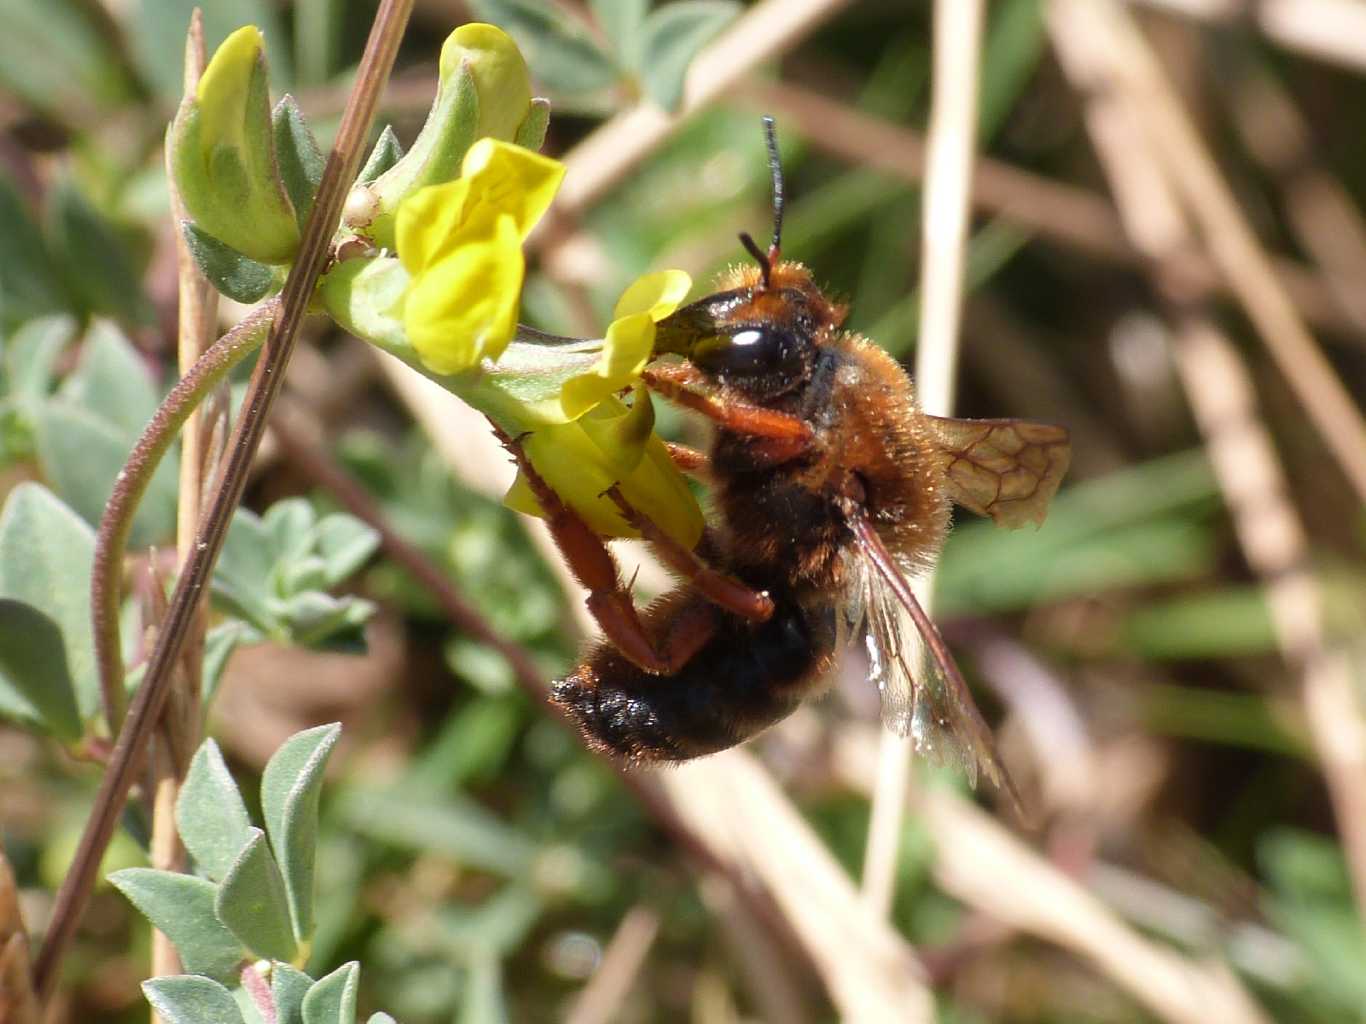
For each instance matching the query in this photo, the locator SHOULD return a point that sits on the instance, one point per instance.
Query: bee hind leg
(609, 600)
(718, 588)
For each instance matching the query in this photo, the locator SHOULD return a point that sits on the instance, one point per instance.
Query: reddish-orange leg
(779, 437)
(689, 460)
(609, 600)
(721, 590)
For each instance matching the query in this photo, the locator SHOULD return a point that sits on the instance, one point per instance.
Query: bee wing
(923, 694)
(1006, 469)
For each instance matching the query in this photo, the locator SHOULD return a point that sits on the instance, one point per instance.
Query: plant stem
(112, 539)
(342, 165)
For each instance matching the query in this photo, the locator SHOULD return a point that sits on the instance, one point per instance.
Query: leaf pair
(297, 998)
(253, 894)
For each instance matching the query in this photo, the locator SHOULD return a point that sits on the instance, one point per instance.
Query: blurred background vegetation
(1127, 649)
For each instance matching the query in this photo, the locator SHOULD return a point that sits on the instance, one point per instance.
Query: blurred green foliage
(469, 853)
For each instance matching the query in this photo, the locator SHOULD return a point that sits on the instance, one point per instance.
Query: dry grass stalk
(1240, 448)
(986, 867)
(1108, 53)
(951, 143)
(622, 960)
(1331, 30)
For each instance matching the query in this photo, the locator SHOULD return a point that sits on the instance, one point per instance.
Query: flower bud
(223, 155)
(485, 91)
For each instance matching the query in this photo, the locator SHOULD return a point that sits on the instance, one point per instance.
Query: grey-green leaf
(288, 987)
(344, 543)
(621, 21)
(387, 152)
(483, 1001)
(29, 283)
(81, 454)
(297, 153)
(112, 381)
(191, 999)
(30, 354)
(290, 788)
(35, 684)
(252, 902)
(332, 1000)
(211, 815)
(380, 1017)
(45, 556)
(239, 277)
(562, 55)
(671, 38)
(240, 578)
(182, 907)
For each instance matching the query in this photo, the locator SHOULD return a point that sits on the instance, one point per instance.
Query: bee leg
(696, 464)
(592, 564)
(782, 437)
(721, 590)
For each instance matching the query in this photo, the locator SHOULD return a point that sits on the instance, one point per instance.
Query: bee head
(759, 332)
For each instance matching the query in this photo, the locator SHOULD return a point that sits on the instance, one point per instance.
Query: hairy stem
(112, 539)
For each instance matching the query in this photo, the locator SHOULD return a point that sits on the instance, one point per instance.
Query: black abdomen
(744, 679)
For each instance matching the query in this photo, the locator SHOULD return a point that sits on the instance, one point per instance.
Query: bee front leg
(721, 590)
(779, 437)
(593, 565)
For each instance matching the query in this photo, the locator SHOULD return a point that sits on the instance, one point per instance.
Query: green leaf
(297, 153)
(112, 381)
(1012, 51)
(182, 907)
(190, 999)
(29, 283)
(30, 354)
(621, 22)
(387, 152)
(244, 567)
(290, 787)
(558, 48)
(81, 454)
(288, 987)
(1229, 622)
(344, 543)
(211, 815)
(222, 640)
(98, 266)
(239, 277)
(45, 558)
(332, 1000)
(252, 902)
(531, 132)
(318, 29)
(289, 524)
(35, 684)
(671, 38)
(483, 1001)
(445, 824)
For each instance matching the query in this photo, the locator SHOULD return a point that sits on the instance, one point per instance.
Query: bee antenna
(775, 170)
(760, 257)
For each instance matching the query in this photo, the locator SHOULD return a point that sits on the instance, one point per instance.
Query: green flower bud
(485, 91)
(223, 155)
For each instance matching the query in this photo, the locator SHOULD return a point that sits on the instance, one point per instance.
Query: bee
(830, 489)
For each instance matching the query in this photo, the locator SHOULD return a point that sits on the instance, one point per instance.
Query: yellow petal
(510, 180)
(658, 294)
(627, 348)
(464, 307)
(428, 224)
(582, 459)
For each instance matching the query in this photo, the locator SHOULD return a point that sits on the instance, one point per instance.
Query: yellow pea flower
(611, 443)
(630, 340)
(461, 243)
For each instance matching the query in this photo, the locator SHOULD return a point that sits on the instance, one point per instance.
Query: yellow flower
(630, 340)
(611, 443)
(461, 243)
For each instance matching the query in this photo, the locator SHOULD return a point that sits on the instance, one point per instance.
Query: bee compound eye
(750, 352)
